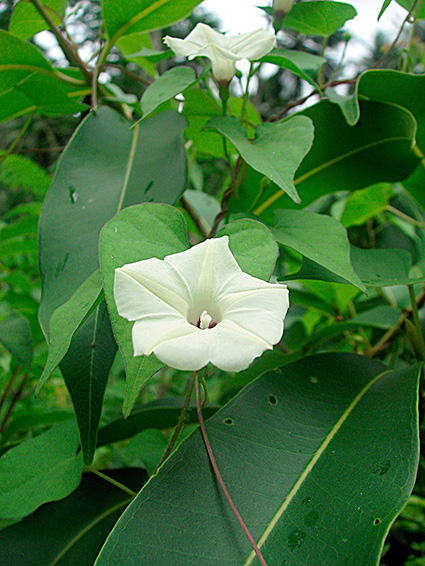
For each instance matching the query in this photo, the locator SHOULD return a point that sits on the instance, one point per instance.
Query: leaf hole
(272, 400)
(377, 522)
(228, 421)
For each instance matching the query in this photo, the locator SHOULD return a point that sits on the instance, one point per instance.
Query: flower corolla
(223, 51)
(198, 306)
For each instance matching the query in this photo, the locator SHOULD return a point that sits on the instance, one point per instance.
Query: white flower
(223, 51)
(198, 306)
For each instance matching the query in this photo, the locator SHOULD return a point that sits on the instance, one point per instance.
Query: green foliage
(154, 157)
(290, 515)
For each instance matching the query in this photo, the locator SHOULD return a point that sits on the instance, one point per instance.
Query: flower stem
(112, 481)
(219, 477)
(416, 320)
(180, 422)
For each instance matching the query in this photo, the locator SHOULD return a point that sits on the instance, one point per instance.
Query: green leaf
(167, 86)
(291, 139)
(161, 416)
(105, 167)
(377, 149)
(199, 108)
(20, 173)
(15, 336)
(298, 62)
(28, 82)
(349, 105)
(137, 47)
(384, 7)
(409, 4)
(294, 451)
(395, 87)
(253, 246)
(137, 233)
(318, 237)
(71, 531)
(142, 15)
(205, 206)
(26, 21)
(31, 421)
(365, 204)
(67, 319)
(42, 469)
(318, 18)
(383, 267)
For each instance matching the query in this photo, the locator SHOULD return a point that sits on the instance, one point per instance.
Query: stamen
(204, 320)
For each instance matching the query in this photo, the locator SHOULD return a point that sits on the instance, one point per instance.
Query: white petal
(260, 311)
(149, 286)
(207, 268)
(227, 346)
(151, 331)
(200, 37)
(252, 45)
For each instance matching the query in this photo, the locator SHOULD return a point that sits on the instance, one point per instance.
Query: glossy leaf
(291, 139)
(349, 105)
(42, 469)
(26, 21)
(127, 238)
(253, 246)
(365, 204)
(142, 15)
(105, 167)
(318, 237)
(318, 18)
(15, 336)
(294, 452)
(298, 62)
(71, 531)
(165, 87)
(376, 149)
(67, 319)
(395, 87)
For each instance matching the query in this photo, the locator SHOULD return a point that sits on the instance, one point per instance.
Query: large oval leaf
(105, 167)
(330, 440)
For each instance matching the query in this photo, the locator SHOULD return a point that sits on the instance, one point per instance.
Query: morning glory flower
(198, 306)
(282, 7)
(223, 51)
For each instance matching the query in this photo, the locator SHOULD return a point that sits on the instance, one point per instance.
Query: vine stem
(112, 481)
(219, 477)
(180, 422)
(416, 320)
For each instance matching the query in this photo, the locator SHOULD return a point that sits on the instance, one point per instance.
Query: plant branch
(416, 320)
(180, 422)
(112, 481)
(15, 398)
(219, 477)
(9, 386)
(17, 139)
(391, 334)
(196, 220)
(69, 51)
(129, 73)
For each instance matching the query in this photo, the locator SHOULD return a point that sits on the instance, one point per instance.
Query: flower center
(205, 321)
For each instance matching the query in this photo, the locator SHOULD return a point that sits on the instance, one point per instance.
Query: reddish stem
(220, 479)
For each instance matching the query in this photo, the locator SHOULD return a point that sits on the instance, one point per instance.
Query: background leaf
(318, 18)
(15, 336)
(71, 531)
(319, 238)
(105, 167)
(343, 157)
(286, 492)
(42, 469)
(26, 21)
(291, 139)
(142, 15)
